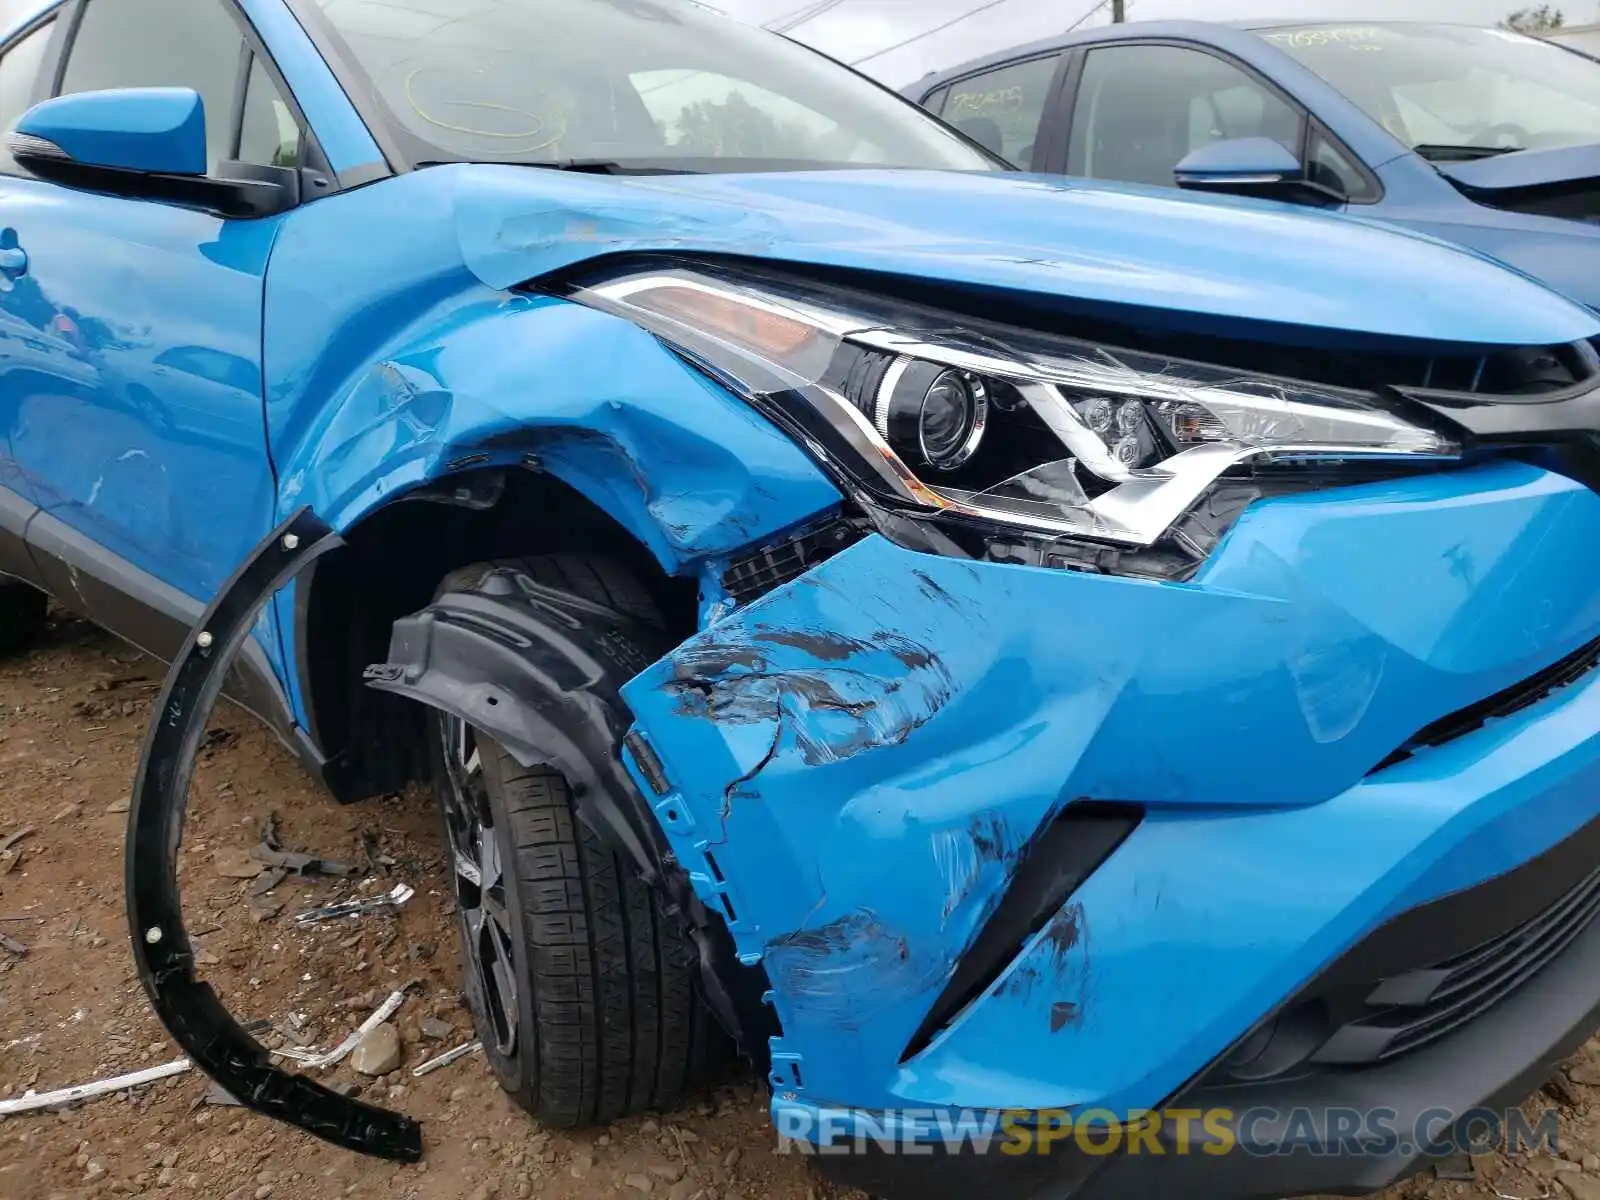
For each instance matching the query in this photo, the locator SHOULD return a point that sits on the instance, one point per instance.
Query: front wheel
(584, 991)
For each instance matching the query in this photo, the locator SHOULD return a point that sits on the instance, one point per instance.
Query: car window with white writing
(1001, 110)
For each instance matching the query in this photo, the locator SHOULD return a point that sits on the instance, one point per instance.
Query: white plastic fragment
(356, 908)
(32, 1101)
(309, 1058)
(445, 1059)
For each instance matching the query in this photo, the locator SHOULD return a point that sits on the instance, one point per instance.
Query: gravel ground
(72, 714)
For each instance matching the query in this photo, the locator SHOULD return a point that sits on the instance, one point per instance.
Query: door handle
(14, 260)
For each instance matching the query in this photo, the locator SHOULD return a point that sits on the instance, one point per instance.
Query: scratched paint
(850, 968)
(964, 855)
(829, 695)
(1061, 974)
(1079, 685)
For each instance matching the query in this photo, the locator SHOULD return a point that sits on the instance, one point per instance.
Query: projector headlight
(1043, 434)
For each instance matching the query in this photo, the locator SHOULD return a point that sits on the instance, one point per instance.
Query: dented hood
(1145, 248)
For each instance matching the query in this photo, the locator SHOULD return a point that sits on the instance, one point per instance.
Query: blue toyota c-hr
(1010, 656)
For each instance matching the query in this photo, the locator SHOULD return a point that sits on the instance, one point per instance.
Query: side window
(269, 135)
(1330, 166)
(1142, 109)
(1002, 109)
(935, 103)
(161, 43)
(19, 72)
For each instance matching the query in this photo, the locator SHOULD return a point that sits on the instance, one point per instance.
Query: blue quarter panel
(837, 748)
(387, 361)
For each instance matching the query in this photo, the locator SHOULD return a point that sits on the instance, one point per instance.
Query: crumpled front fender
(688, 469)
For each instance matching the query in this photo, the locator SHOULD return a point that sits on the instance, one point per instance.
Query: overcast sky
(852, 29)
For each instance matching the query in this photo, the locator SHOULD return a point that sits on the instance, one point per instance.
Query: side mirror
(153, 131)
(1252, 164)
(143, 143)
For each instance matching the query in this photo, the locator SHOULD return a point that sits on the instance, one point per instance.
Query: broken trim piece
(34, 1101)
(188, 1007)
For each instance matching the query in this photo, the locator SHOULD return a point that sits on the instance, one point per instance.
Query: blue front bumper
(862, 757)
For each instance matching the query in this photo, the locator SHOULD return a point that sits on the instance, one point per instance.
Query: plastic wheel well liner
(540, 671)
(187, 1006)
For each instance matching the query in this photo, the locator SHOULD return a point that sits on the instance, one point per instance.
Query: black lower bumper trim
(190, 1010)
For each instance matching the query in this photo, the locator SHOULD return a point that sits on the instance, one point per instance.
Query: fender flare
(541, 671)
(189, 1008)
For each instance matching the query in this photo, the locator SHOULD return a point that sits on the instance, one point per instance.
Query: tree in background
(729, 127)
(739, 129)
(1538, 19)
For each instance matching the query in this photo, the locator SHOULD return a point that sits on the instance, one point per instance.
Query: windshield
(647, 84)
(1456, 92)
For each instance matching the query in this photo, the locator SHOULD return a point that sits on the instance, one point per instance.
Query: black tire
(606, 1018)
(22, 615)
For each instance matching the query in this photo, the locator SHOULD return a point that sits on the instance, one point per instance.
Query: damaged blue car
(990, 650)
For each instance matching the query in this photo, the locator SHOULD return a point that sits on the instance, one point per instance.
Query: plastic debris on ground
(32, 1101)
(308, 1058)
(445, 1059)
(387, 902)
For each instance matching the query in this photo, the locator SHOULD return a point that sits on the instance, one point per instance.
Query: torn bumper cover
(1367, 700)
(189, 1008)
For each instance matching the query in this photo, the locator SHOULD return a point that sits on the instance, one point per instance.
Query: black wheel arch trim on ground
(518, 668)
(191, 1011)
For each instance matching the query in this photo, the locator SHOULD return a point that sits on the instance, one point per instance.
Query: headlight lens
(1041, 433)
(930, 415)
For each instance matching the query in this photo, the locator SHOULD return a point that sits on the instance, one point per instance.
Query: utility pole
(1118, 12)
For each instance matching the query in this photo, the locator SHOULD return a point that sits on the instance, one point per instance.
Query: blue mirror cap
(155, 130)
(1240, 160)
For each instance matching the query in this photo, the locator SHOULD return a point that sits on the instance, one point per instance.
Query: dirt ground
(72, 714)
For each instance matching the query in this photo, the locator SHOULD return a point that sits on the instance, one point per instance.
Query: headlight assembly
(1039, 434)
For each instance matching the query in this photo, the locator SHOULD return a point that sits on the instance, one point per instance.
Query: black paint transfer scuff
(1066, 973)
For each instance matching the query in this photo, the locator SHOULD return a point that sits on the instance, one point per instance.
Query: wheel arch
(519, 426)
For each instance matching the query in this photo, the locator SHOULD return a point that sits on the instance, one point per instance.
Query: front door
(136, 425)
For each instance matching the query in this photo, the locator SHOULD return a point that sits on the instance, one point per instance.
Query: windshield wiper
(585, 166)
(1445, 153)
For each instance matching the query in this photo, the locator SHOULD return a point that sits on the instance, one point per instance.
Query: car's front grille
(1408, 1011)
(1515, 698)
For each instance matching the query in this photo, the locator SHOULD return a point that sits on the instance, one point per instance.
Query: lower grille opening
(1431, 971)
(1513, 699)
(1412, 1010)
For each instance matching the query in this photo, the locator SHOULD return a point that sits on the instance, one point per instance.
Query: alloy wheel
(480, 883)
